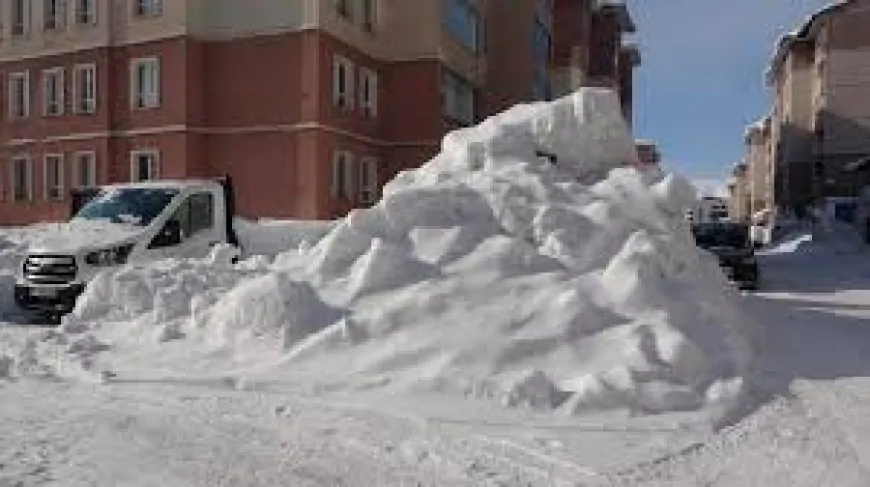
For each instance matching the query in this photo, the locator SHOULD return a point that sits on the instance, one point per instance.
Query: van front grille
(50, 269)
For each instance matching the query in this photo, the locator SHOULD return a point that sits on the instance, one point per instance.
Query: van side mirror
(169, 235)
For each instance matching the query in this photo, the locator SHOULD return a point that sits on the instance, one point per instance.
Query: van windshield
(134, 206)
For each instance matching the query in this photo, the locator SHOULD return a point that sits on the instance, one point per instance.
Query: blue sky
(701, 81)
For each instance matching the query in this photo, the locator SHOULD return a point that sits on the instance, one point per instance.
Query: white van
(119, 224)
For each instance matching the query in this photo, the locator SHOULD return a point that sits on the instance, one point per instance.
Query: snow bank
(528, 262)
(272, 237)
(13, 246)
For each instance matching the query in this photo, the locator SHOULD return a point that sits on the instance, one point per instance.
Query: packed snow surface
(528, 263)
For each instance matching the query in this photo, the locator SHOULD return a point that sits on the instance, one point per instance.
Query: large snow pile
(528, 262)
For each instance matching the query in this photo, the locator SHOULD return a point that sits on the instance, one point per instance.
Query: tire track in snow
(786, 443)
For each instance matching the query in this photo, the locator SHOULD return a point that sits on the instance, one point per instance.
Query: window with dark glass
(461, 19)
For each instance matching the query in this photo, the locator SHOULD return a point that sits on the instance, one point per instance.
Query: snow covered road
(812, 425)
(147, 434)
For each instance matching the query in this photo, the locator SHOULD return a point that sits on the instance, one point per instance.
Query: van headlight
(109, 257)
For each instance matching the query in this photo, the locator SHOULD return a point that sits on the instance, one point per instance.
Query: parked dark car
(730, 242)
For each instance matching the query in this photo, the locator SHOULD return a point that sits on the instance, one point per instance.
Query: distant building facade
(820, 121)
(760, 172)
(739, 195)
(648, 153)
(709, 209)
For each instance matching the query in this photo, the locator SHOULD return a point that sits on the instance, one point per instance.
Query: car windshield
(135, 206)
(721, 235)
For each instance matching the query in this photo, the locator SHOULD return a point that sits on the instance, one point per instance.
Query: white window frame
(23, 29)
(146, 9)
(88, 15)
(343, 96)
(343, 175)
(54, 108)
(368, 184)
(61, 174)
(140, 100)
(82, 105)
(13, 98)
(90, 158)
(134, 164)
(58, 22)
(28, 178)
(368, 92)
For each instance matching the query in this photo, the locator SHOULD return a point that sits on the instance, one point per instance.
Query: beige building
(760, 168)
(739, 196)
(820, 75)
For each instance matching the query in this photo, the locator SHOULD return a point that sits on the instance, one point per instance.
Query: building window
(368, 92)
(85, 88)
(20, 16)
(86, 169)
(462, 21)
(342, 8)
(53, 92)
(342, 175)
(86, 12)
(144, 165)
(148, 8)
(53, 13)
(368, 15)
(22, 179)
(19, 95)
(146, 83)
(53, 177)
(368, 181)
(342, 83)
(458, 98)
(541, 42)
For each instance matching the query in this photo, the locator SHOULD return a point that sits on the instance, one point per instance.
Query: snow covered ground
(496, 319)
(806, 425)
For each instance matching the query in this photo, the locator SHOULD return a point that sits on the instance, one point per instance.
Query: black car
(731, 243)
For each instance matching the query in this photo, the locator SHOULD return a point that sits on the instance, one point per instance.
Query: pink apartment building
(310, 105)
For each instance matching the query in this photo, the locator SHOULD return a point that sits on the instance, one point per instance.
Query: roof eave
(633, 53)
(623, 16)
(806, 32)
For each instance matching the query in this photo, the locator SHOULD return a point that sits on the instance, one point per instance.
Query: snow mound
(529, 262)
(272, 307)
(272, 237)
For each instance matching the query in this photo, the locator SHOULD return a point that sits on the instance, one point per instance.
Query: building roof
(620, 9)
(645, 143)
(759, 125)
(633, 52)
(801, 33)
